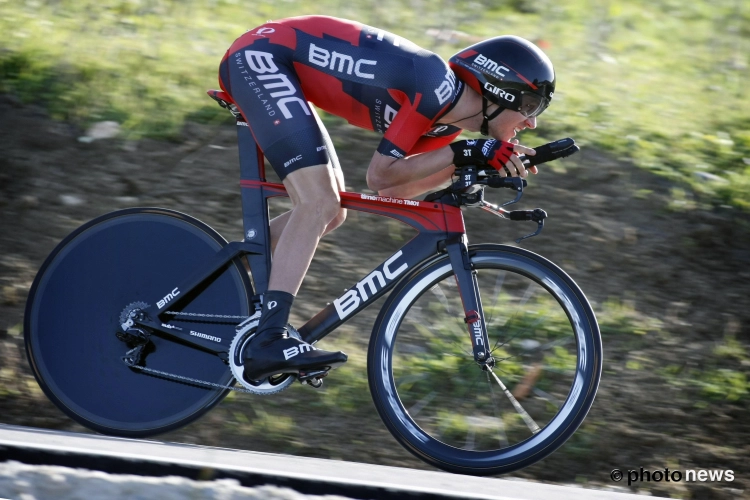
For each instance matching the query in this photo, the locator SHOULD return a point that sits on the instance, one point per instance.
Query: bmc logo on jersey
(499, 92)
(447, 88)
(375, 281)
(267, 71)
(490, 65)
(342, 63)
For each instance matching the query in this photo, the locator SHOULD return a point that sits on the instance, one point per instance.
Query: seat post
(254, 206)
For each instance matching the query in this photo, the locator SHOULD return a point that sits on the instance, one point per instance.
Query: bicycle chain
(201, 315)
(181, 378)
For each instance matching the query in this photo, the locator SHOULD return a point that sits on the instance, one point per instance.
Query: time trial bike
(484, 358)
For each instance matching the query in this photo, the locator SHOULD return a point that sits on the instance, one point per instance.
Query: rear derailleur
(136, 339)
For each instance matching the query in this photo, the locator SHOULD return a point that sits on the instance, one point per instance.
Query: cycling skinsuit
(372, 78)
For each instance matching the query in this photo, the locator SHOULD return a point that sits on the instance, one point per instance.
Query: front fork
(468, 287)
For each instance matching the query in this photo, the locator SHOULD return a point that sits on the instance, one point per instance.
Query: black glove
(482, 152)
(552, 151)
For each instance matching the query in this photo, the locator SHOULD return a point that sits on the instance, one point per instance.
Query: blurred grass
(659, 82)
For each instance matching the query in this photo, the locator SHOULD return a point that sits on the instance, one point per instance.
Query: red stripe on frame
(426, 215)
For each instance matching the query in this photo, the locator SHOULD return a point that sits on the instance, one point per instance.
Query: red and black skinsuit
(373, 79)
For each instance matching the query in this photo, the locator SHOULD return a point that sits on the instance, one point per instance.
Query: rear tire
(72, 313)
(440, 404)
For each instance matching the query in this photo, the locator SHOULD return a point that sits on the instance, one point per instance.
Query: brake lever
(515, 183)
(537, 215)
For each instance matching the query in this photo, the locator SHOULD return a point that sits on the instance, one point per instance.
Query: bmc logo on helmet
(499, 92)
(490, 65)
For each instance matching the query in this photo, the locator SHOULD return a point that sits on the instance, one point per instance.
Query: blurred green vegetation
(659, 82)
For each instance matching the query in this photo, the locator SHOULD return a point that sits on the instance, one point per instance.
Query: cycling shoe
(287, 355)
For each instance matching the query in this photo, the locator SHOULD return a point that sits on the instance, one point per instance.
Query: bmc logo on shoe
(293, 351)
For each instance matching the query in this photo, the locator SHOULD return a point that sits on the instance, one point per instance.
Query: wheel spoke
(419, 405)
(501, 436)
(533, 427)
(547, 397)
(437, 291)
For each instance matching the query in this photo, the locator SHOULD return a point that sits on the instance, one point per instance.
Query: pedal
(313, 378)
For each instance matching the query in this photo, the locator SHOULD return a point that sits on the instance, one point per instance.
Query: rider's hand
(500, 155)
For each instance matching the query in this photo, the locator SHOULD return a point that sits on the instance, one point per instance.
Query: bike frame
(440, 230)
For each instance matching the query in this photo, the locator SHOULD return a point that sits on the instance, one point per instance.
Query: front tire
(440, 404)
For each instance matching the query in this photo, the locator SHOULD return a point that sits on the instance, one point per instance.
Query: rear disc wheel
(73, 313)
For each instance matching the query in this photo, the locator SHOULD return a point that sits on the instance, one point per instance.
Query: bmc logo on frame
(375, 281)
(168, 298)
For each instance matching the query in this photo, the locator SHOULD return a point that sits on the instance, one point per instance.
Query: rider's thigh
(314, 192)
(263, 82)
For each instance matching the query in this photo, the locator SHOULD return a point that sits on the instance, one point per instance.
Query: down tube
(371, 287)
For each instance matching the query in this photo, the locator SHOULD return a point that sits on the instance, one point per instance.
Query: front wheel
(442, 406)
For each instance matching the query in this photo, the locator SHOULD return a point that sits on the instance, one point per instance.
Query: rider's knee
(323, 211)
(338, 220)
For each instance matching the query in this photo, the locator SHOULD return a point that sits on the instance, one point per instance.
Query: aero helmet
(508, 71)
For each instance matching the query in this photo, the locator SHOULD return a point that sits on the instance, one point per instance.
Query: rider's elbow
(376, 181)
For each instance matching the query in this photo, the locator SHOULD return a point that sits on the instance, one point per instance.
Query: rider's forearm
(420, 186)
(386, 173)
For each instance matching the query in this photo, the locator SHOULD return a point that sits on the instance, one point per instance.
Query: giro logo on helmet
(499, 92)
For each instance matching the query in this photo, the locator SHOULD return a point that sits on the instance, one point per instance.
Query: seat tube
(255, 216)
(472, 302)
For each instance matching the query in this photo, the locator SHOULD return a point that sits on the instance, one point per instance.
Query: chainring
(267, 386)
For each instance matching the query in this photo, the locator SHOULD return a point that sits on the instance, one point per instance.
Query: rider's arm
(411, 176)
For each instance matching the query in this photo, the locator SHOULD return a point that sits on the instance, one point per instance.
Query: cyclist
(377, 81)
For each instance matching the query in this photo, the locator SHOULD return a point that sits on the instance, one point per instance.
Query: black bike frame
(440, 230)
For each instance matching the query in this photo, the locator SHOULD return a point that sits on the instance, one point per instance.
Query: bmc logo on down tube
(375, 281)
